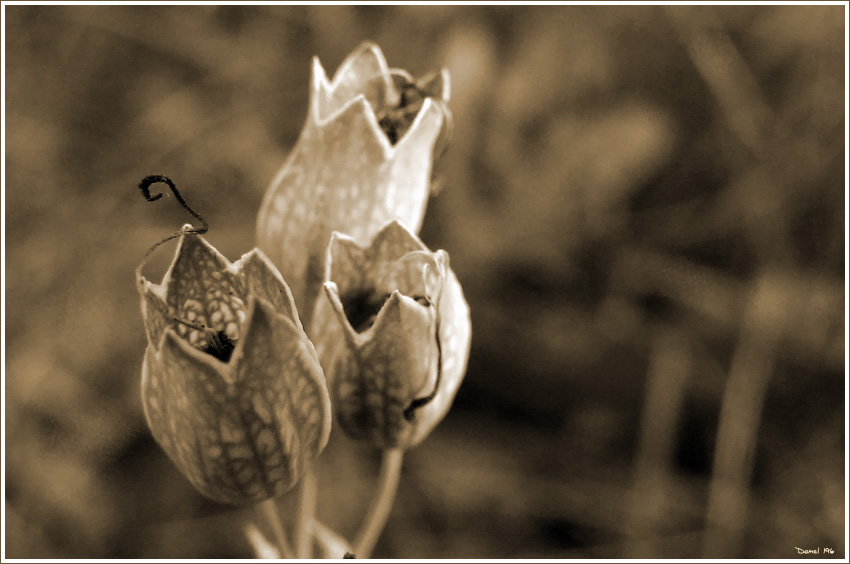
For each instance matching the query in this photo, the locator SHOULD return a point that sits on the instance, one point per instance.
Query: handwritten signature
(826, 550)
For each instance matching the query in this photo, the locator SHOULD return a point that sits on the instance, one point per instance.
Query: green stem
(307, 490)
(382, 503)
(270, 509)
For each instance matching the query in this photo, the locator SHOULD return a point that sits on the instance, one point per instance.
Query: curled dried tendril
(218, 343)
(145, 187)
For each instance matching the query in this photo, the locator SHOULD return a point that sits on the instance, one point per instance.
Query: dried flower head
(364, 158)
(231, 386)
(393, 333)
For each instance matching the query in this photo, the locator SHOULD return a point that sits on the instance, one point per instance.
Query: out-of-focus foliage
(641, 203)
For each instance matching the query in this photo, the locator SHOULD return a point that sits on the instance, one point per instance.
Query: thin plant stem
(307, 490)
(261, 545)
(740, 415)
(382, 503)
(650, 496)
(270, 509)
(331, 544)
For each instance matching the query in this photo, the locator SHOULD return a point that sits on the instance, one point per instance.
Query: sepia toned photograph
(436, 281)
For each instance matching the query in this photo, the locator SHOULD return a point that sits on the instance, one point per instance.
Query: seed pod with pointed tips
(242, 409)
(393, 334)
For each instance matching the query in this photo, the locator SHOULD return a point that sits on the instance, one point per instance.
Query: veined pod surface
(364, 157)
(241, 408)
(393, 333)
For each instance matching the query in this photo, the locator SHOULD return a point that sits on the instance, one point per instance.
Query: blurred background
(645, 205)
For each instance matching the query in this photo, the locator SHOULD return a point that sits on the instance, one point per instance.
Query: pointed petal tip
(396, 232)
(355, 112)
(367, 45)
(341, 244)
(369, 48)
(365, 56)
(318, 77)
(257, 258)
(391, 308)
(446, 78)
(331, 289)
(189, 241)
(425, 127)
(338, 237)
(436, 84)
(332, 294)
(442, 259)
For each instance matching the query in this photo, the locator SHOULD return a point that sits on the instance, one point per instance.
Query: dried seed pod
(393, 334)
(347, 173)
(242, 409)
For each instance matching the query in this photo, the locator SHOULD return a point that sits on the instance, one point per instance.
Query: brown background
(645, 207)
